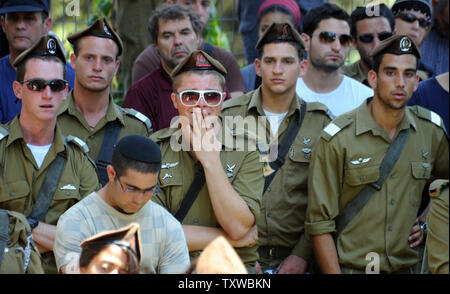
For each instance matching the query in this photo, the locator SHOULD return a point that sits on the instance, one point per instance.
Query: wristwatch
(423, 226)
(33, 222)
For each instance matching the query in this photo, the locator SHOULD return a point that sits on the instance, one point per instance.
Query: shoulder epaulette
(140, 117)
(336, 126)
(317, 106)
(162, 134)
(428, 115)
(436, 187)
(238, 101)
(78, 142)
(3, 133)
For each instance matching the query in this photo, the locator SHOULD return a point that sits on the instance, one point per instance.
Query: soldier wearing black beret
(125, 199)
(369, 170)
(56, 170)
(90, 112)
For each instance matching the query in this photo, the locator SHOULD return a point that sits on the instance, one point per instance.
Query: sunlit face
(329, 56)
(279, 67)
(23, 29)
(193, 81)
(41, 105)
(176, 40)
(374, 26)
(413, 30)
(95, 65)
(111, 260)
(395, 81)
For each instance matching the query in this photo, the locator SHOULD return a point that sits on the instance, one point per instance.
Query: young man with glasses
(413, 18)
(42, 173)
(284, 247)
(132, 182)
(209, 180)
(326, 31)
(24, 23)
(90, 112)
(369, 26)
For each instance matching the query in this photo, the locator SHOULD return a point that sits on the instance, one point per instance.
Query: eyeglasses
(368, 38)
(39, 85)
(409, 17)
(137, 191)
(192, 97)
(330, 37)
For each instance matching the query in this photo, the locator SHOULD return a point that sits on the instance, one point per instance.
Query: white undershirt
(275, 120)
(39, 153)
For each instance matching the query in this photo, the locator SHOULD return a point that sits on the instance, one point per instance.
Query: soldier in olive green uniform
(283, 245)
(90, 112)
(34, 153)
(437, 219)
(373, 237)
(229, 201)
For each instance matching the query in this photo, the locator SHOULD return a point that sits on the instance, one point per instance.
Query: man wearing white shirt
(327, 36)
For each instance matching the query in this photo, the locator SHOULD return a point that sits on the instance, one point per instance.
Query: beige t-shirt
(164, 248)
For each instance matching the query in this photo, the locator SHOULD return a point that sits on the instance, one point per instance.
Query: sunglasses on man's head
(38, 85)
(409, 17)
(330, 37)
(368, 38)
(192, 97)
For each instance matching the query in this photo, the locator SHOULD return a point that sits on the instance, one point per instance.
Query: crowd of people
(296, 163)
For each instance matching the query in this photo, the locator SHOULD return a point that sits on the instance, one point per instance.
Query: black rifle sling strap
(109, 140)
(191, 195)
(48, 188)
(4, 232)
(291, 134)
(358, 202)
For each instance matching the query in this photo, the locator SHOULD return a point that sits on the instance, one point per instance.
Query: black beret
(198, 60)
(100, 28)
(280, 32)
(139, 148)
(46, 46)
(398, 45)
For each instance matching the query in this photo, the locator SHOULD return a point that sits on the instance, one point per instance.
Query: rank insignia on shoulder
(331, 129)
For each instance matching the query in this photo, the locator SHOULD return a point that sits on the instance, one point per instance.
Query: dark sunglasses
(330, 37)
(423, 22)
(192, 97)
(40, 84)
(368, 38)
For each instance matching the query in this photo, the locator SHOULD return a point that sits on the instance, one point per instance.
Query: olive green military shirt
(438, 229)
(244, 171)
(348, 157)
(72, 122)
(284, 202)
(354, 71)
(21, 179)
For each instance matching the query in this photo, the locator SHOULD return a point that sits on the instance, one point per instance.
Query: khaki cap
(46, 46)
(280, 32)
(100, 28)
(128, 236)
(198, 60)
(398, 45)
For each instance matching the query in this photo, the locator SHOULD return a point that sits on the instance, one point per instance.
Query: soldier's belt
(274, 252)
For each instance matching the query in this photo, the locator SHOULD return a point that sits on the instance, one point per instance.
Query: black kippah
(139, 148)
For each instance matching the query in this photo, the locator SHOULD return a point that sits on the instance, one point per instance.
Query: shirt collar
(365, 121)
(256, 103)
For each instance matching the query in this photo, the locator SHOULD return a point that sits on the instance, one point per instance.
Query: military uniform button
(269, 214)
(269, 189)
(362, 178)
(390, 228)
(68, 193)
(392, 202)
(195, 220)
(12, 194)
(91, 137)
